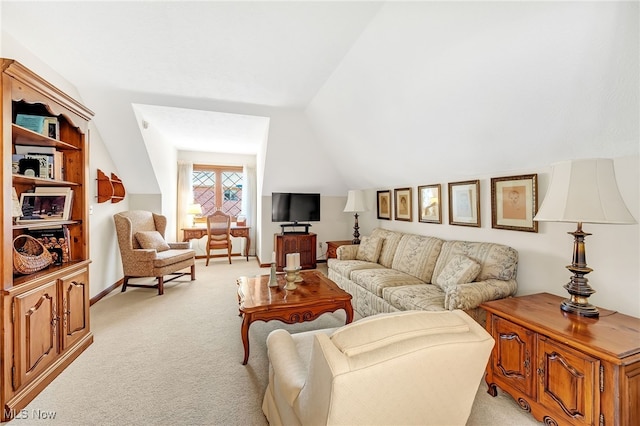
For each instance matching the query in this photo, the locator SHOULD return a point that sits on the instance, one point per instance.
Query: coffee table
(313, 297)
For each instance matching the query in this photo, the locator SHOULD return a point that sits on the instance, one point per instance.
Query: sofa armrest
(471, 295)
(347, 252)
(179, 246)
(288, 367)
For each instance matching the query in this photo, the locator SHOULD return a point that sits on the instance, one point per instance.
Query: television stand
(294, 231)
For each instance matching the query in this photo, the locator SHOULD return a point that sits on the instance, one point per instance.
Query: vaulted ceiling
(393, 92)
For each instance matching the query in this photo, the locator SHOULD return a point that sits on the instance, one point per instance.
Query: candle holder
(273, 279)
(298, 277)
(291, 278)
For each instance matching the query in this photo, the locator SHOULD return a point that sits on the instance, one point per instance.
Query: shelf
(105, 188)
(45, 224)
(24, 136)
(41, 181)
(49, 270)
(118, 189)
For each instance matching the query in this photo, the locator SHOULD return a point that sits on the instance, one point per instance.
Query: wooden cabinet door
(307, 250)
(74, 290)
(35, 327)
(514, 354)
(568, 382)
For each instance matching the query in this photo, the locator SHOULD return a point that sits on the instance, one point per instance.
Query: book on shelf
(45, 162)
(56, 240)
(34, 123)
(44, 125)
(52, 169)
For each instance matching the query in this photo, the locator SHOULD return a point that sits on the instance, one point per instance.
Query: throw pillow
(369, 249)
(152, 240)
(459, 270)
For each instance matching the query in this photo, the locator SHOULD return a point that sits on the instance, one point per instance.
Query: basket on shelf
(29, 255)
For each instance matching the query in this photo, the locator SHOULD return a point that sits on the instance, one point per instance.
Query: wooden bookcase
(45, 315)
(305, 244)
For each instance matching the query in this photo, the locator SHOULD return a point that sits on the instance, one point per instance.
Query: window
(218, 188)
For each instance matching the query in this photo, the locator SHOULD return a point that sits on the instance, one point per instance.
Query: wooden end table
(313, 297)
(332, 247)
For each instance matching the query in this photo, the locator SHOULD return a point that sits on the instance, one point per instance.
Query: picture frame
(403, 205)
(429, 203)
(384, 205)
(514, 202)
(464, 203)
(38, 207)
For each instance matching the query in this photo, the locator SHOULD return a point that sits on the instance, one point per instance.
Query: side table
(332, 246)
(563, 368)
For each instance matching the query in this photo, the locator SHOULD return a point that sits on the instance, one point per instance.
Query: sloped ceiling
(394, 93)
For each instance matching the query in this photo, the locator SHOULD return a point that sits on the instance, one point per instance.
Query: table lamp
(194, 210)
(355, 204)
(583, 191)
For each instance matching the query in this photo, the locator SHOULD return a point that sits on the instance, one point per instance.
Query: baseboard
(106, 291)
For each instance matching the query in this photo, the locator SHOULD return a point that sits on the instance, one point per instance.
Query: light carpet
(176, 359)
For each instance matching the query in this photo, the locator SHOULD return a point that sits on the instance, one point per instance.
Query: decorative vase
(273, 279)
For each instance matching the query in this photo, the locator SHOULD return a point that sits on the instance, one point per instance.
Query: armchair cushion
(152, 240)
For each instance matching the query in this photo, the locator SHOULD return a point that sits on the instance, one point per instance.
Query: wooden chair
(218, 234)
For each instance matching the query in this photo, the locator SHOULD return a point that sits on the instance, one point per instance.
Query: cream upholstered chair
(145, 253)
(218, 233)
(409, 367)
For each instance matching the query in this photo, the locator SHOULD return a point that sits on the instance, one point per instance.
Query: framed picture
(464, 203)
(384, 205)
(429, 204)
(37, 207)
(514, 202)
(403, 204)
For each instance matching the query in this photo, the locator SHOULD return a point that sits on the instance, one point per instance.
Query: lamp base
(356, 232)
(578, 287)
(578, 308)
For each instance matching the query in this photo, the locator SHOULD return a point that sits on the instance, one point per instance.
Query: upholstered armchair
(409, 367)
(145, 253)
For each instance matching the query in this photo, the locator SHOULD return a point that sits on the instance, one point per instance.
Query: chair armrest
(179, 246)
(471, 295)
(142, 255)
(347, 252)
(288, 367)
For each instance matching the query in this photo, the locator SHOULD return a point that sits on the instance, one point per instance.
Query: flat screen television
(295, 207)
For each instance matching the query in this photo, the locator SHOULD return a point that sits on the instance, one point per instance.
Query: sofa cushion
(497, 261)
(424, 297)
(459, 270)
(369, 249)
(152, 240)
(386, 329)
(389, 245)
(374, 280)
(346, 267)
(417, 255)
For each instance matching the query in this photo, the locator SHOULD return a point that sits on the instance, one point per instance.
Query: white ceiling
(274, 54)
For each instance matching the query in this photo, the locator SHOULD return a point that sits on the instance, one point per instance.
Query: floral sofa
(392, 271)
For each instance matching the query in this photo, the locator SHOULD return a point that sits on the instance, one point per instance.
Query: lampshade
(355, 202)
(584, 191)
(195, 209)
